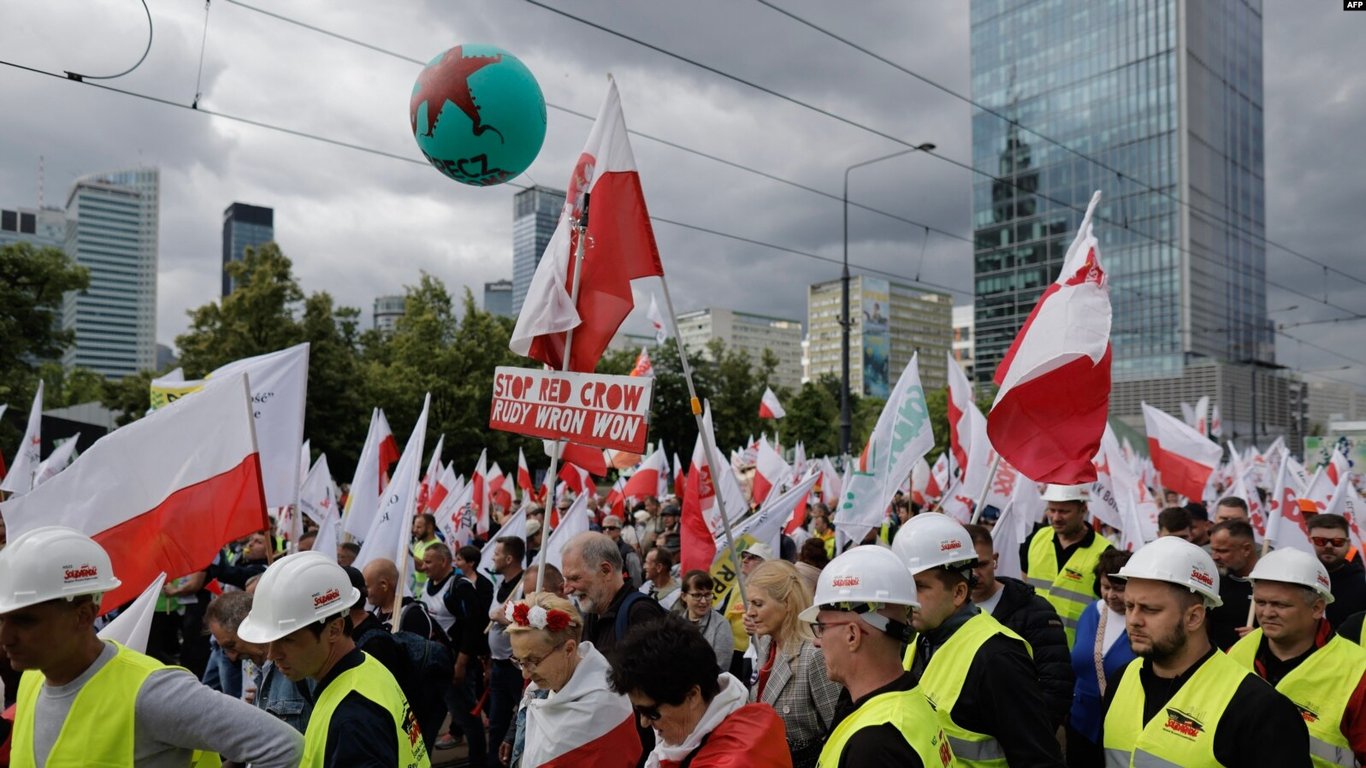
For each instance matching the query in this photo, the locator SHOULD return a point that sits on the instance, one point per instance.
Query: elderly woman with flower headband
(573, 717)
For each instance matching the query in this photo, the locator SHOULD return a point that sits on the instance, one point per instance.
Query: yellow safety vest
(419, 549)
(910, 712)
(99, 728)
(1320, 687)
(371, 680)
(1073, 586)
(1182, 733)
(943, 679)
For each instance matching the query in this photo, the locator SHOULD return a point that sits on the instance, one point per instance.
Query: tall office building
(244, 226)
(43, 227)
(388, 309)
(498, 298)
(112, 223)
(750, 333)
(891, 321)
(535, 213)
(962, 337)
(1167, 94)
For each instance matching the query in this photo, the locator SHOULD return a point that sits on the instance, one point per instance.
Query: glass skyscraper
(535, 213)
(112, 225)
(1157, 101)
(244, 226)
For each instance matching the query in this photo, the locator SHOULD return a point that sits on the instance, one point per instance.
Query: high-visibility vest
(1073, 586)
(942, 682)
(99, 728)
(1182, 733)
(912, 716)
(1320, 687)
(371, 680)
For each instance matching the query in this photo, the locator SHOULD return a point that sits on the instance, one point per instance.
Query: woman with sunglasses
(792, 676)
(696, 604)
(573, 717)
(700, 714)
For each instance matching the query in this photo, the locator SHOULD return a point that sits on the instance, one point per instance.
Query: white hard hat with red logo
(1178, 562)
(297, 590)
(1294, 567)
(1055, 492)
(52, 563)
(863, 580)
(933, 540)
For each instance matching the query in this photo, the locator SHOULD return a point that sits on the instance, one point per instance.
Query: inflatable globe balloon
(478, 114)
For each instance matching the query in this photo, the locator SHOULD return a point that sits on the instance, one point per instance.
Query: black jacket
(1036, 620)
(1349, 591)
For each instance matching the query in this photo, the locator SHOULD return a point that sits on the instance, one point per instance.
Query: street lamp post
(846, 420)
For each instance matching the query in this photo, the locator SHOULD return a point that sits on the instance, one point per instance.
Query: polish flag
(1338, 466)
(643, 367)
(1054, 381)
(19, 480)
(1183, 457)
(479, 483)
(616, 499)
(645, 480)
(500, 490)
(657, 321)
(960, 403)
(1216, 422)
(369, 480)
(524, 480)
(679, 479)
(770, 471)
(620, 248)
(575, 478)
(939, 477)
(156, 494)
(769, 407)
(1202, 415)
(431, 478)
(704, 505)
(589, 459)
(391, 530)
(442, 488)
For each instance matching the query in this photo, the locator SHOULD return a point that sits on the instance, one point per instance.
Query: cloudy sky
(359, 224)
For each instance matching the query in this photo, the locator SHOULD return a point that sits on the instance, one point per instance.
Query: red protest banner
(587, 408)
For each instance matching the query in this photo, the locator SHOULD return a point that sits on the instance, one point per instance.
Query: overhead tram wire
(423, 163)
(1050, 140)
(903, 142)
(657, 139)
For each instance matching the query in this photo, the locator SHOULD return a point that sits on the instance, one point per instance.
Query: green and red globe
(478, 114)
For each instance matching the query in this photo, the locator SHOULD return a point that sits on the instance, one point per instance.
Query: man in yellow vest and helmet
(1296, 651)
(1182, 702)
(1060, 559)
(85, 701)
(977, 674)
(861, 619)
(360, 715)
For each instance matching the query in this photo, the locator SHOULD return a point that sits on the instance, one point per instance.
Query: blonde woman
(572, 717)
(792, 674)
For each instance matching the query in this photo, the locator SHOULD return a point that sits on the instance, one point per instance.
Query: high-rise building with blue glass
(1158, 104)
(112, 224)
(498, 298)
(244, 226)
(535, 213)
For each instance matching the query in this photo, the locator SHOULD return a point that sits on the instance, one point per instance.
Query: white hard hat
(52, 563)
(1056, 492)
(1294, 567)
(759, 550)
(295, 591)
(1178, 562)
(932, 539)
(863, 579)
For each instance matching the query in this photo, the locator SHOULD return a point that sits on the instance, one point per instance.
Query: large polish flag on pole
(163, 493)
(1183, 457)
(620, 248)
(1054, 381)
(645, 480)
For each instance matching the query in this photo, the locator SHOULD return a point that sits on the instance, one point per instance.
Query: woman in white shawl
(580, 721)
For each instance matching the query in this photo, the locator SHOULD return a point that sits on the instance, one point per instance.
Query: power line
(381, 153)
(657, 139)
(878, 132)
(1078, 153)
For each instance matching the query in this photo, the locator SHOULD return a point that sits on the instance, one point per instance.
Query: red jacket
(751, 737)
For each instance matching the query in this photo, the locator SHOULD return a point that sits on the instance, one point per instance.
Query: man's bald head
(381, 578)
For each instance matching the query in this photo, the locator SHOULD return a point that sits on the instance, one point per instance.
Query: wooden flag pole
(986, 486)
(552, 499)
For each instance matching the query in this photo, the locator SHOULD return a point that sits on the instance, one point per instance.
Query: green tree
(813, 417)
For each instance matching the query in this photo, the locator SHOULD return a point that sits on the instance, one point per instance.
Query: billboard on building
(877, 338)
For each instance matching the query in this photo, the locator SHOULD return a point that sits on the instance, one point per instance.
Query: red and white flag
(279, 388)
(678, 479)
(1202, 415)
(1287, 526)
(1054, 381)
(156, 494)
(1338, 466)
(770, 471)
(524, 480)
(960, 403)
(19, 479)
(645, 480)
(643, 367)
(391, 530)
(573, 522)
(939, 477)
(620, 248)
(372, 473)
(657, 321)
(616, 499)
(1216, 423)
(769, 407)
(1183, 457)
(479, 483)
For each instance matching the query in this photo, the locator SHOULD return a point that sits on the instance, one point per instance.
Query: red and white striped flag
(1054, 381)
(769, 407)
(1183, 457)
(163, 493)
(770, 471)
(524, 480)
(645, 480)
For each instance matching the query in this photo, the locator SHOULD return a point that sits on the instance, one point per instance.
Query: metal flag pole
(707, 444)
(986, 486)
(552, 500)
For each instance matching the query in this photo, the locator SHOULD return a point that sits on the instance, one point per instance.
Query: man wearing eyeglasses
(1333, 545)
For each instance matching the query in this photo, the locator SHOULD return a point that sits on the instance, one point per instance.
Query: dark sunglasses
(611, 527)
(650, 713)
(1324, 541)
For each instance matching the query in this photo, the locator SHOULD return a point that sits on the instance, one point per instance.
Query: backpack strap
(624, 612)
